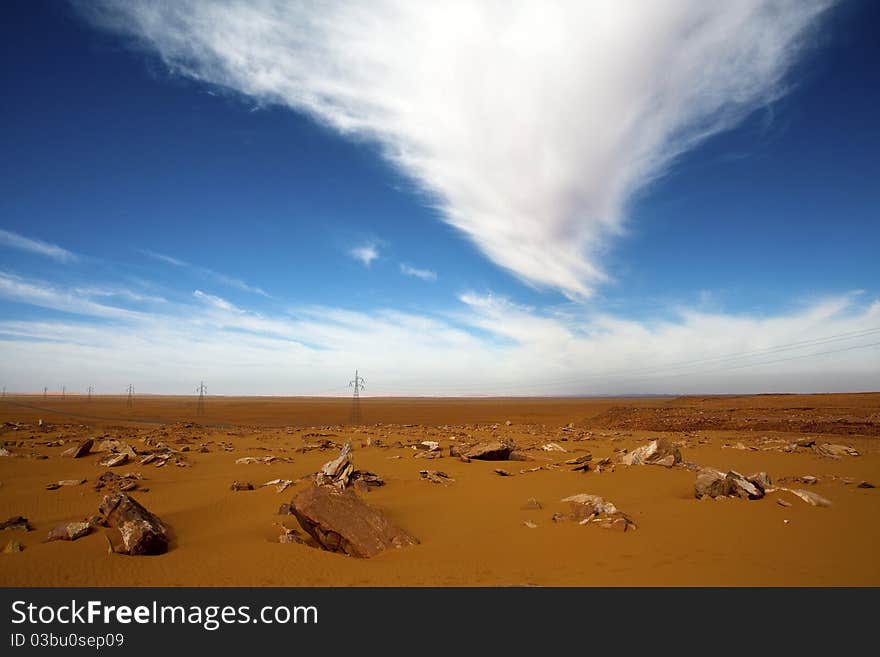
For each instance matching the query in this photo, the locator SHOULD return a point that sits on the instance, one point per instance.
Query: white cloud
(365, 253)
(531, 123)
(485, 345)
(22, 243)
(424, 274)
(210, 274)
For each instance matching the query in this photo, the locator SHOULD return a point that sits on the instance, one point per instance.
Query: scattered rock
(655, 452)
(532, 505)
(435, 476)
(337, 472)
(370, 479)
(558, 517)
(516, 455)
(16, 522)
(281, 485)
(581, 463)
(761, 480)
(782, 502)
(865, 484)
(429, 445)
(12, 547)
(832, 451)
(55, 485)
(502, 473)
(715, 484)
(288, 535)
(246, 460)
(808, 479)
(529, 524)
(495, 450)
(553, 447)
(811, 498)
(70, 532)
(79, 450)
(285, 510)
(241, 485)
(113, 460)
(585, 508)
(710, 483)
(341, 522)
(141, 532)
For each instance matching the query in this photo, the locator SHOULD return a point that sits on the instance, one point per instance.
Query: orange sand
(472, 531)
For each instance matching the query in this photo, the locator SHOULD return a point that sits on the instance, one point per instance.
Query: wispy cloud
(22, 243)
(118, 292)
(485, 345)
(424, 274)
(210, 274)
(46, 295)
(366, 253)
(532, 124)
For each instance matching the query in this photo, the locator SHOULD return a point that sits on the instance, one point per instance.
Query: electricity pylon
(358, 384)
(200, 406)
(130, 401)
(90, 393)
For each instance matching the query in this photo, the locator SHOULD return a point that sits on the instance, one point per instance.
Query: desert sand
(474, 531)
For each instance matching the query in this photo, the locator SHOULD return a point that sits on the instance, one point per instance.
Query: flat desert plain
(476, 527)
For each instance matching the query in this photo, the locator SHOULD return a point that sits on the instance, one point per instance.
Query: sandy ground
(472, 531)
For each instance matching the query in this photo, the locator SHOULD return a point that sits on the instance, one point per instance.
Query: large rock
(79, 450)
(69, 532)
(832, 451)
(337, 472)
(341, 522)
(141, 531)
(710, 483)
(657, 452)
(714, 483)
(494, 450)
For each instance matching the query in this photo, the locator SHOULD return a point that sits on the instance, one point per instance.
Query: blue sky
(462, 200)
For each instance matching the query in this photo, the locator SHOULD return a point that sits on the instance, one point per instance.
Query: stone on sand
(658, 452)
(341, 522)
(70, 532)
(142, 533)
(494, 450)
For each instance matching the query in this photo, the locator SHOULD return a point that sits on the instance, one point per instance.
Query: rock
(429, 445)
(337, 472)
(653, 453)
(581, 463)
(710, 483)
(495, 450)
(281, 485)
(246, 460)
(782, 502)
(761, 480)
(79, 450)
(288, 535)
(241, 485)
(70, 531)
(16, 522)
(833, 451)
(805, 442)
(532, 505)
(516, 455)
(529, 524)
(285, 510)
(553, 447)
(435, 476)
(12, 547)
(667, 461)
(558, 517)
(865, 484)
(814, 499)
(341, 522)
(502, 473)
(591, 504)
(113, 460)
(141, 532)
(808, 479)
(64, 482)
(739, 486)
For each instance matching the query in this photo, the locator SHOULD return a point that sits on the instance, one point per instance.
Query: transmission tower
(358, 384)
(45, 391)
(130, 401)
(202, 390)
(63, 391)
(90, 392)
